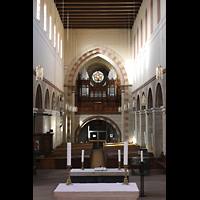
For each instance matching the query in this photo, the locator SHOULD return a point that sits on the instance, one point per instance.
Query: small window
(45, 15)
(58, 42)
(50, 24)
(54, 32)
(61, 48)
(38, 10)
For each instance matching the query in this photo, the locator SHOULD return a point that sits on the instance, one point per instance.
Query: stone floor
(45, 182)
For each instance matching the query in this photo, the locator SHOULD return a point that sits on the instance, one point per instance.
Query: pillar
(157, 131)
(73, 116)
(164, 127)
(149, 129)
(137, 127)
(122, 114)
(142, 128)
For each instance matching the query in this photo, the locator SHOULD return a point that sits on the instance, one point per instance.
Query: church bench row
(58, 158)
(111, 153)
(161, 160)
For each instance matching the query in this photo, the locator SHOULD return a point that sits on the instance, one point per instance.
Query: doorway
(97, 132)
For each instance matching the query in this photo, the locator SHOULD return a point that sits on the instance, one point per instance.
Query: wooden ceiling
(98, 13)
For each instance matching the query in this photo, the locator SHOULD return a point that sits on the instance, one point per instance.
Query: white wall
(44, 53)
(153, 51)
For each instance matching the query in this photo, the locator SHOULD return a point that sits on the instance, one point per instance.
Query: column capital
(163, 108)
(147, 111)
(141, 111)
(156, 110)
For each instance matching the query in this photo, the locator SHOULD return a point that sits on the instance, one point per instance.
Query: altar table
(97, 191)
(111, 175)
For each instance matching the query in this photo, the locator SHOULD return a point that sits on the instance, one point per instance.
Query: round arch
(109, 55)
(89, 119)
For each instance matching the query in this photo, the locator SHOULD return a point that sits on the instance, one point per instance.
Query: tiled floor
(45, 182)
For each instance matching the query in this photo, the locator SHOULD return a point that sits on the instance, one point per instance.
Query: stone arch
(38, 99)
(150, 99)
(89, 119)
(158, 96)
(108, 54)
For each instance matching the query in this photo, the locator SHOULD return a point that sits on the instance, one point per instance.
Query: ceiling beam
(96, 7)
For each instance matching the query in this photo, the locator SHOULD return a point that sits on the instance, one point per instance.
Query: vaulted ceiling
(98, 13)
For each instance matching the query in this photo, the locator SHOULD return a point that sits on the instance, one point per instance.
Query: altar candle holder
(82, 165)
(119, 165)
(68, 174)
(125, 178)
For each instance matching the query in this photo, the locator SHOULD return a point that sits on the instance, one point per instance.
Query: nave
(45, 182)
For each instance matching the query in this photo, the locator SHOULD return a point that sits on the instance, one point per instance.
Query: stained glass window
(97, 76)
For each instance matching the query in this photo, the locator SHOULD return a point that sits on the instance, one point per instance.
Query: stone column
(142, 128)
(73, 116)
(122, 114)
(157, 131)
(149, 129)
(164, 127)
(137, 127)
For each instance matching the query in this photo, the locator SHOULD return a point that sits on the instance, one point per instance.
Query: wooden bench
(111, 153)
(161, 161)
(58, 158)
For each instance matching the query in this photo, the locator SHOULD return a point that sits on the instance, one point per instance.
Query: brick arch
(112, 57)
(89, 119)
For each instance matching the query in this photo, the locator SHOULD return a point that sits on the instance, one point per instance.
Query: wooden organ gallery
(98, 91)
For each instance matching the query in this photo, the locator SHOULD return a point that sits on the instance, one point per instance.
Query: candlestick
(82, 157)
(68, 174)
(69, 153)
(82, 165)
(125, 153)
(119, 155)
(119, 165)
(125, 178)
(141, 156)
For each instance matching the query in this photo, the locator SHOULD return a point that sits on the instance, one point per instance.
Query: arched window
(158, 11)
(137, 41)
(58, 41)
(134, 46)
(38, 10)
(146, 25)
(54, 33)
(45, 15)
(61, 47)
(151, 16)
(141, 34)
(50, 25)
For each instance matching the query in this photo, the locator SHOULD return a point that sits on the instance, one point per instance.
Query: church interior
(99, 84)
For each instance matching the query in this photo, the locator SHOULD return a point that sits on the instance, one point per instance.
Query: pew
(58, 158)
(111, 153)
(161, 161)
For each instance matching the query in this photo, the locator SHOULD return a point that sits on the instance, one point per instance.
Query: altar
(97, 191)
(110, 175)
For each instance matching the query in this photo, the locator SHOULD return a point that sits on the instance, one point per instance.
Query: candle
(141, 156)
(125, 153)
(69, 153)
(119, 155)
(82, 157)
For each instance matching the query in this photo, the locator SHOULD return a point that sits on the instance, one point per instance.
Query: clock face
(97, 77)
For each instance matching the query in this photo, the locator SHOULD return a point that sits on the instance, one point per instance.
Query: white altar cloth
(93, 172)
(97, 191)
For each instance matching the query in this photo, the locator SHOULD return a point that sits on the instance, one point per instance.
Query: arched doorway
(98, 128)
